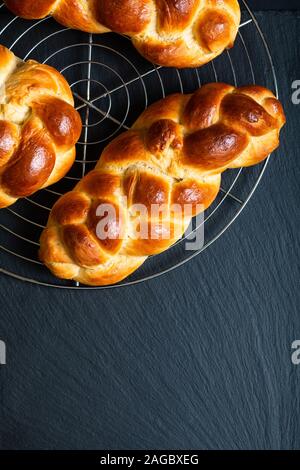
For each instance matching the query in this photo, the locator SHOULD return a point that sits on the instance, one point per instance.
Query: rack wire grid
(112, 84)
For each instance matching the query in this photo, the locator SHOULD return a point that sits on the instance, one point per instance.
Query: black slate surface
(200, 358)
(273, 4)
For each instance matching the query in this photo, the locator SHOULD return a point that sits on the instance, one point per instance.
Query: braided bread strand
(38, 127)
(172, 33)
(174, 154)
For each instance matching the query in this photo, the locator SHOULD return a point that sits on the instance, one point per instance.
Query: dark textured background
(274, 4)
(200, 358)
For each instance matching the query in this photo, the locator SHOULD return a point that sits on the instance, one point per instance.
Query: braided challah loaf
(171, 158)
(38, 127)
(172, 33)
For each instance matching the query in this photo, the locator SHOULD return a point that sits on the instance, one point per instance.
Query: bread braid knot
(173, 156)
(38, 127)
(172, 33)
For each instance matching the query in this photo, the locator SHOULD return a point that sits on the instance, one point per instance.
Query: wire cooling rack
(112, 85)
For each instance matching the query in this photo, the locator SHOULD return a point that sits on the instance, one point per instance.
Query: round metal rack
(112, 84)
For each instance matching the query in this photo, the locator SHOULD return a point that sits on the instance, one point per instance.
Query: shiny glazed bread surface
(38, 127)
(172, 33)
(174, 155)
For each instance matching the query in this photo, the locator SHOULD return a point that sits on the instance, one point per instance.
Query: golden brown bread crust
(174, 154)
(38, 127)
(172, 33)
